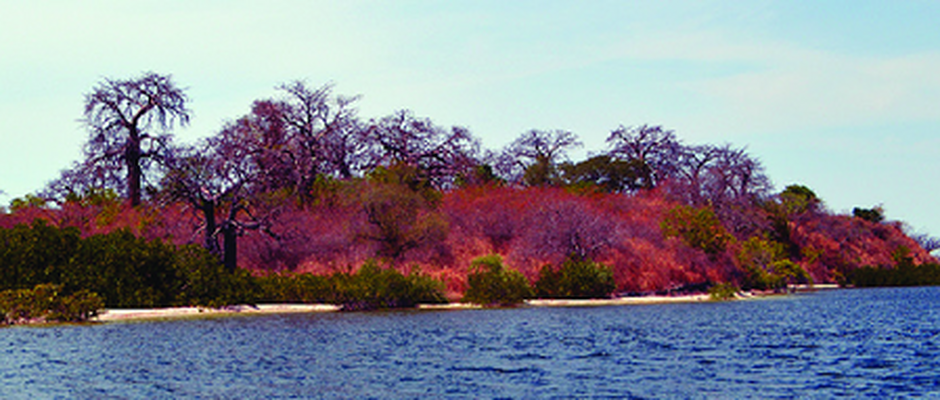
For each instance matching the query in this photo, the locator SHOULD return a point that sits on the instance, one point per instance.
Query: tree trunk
(211, 240)
(132, 158)
(231, 247)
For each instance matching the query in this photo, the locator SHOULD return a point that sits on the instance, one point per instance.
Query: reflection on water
(853, 343)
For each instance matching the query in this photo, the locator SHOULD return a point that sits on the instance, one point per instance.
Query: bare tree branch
(122, 115)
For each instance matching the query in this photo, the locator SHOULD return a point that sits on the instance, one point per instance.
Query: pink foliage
(838, 243)
(529, 227)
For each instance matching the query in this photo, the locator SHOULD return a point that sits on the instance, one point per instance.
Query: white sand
(183, 312)
(449, 306)
(620, 301)
(188, 312)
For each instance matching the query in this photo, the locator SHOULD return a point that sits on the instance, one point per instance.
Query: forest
(303, 186)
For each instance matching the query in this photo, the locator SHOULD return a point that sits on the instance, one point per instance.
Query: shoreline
(143, 314)
(619, 301)
(127, 315)
(168, 313)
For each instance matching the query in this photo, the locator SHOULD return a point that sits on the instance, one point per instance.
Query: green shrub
(298, 288)
(373, 287)
(127, 271)
(79, 306)
(370, 288)
(903, 274)
(766, 266)
(723, 291)
(19, 305)
(699, 228)
(204, 281)
(874, 214)
(34, 254)
(575, 280)
(491, 283)
(122, 269)
(46, 303)
(425, 289)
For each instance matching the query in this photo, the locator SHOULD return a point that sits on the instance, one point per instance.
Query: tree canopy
(302, 182)
(129, 123)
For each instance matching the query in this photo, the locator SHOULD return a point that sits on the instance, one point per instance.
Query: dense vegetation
(491, 283)
(369, 288)
(124, 270)
(903, 273)
(46, 303)
(575, 279)
(303, 200)
(55, 274)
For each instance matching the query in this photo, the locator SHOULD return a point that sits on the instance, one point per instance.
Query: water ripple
(862, 343)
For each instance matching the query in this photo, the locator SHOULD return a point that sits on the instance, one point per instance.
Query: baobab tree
(438, 155)
(301, 136)
(534, 156)
(129, 121)
(734, 184)
(219, 178)
(653, 149)
(324, 128)
(695, 164)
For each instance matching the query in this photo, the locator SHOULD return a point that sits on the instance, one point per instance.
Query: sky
(840, 96)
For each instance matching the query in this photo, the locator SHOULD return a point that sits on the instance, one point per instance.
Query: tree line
(290, 145)
(53, 274)
(303, 182)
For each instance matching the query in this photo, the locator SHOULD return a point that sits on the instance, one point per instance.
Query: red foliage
(529, 227)
(535, 226)
(318, 240)
(839, 243)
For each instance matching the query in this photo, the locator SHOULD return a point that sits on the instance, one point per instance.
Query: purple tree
(654, 150)
(129, 122)
(534, 156)
(220, 179)
(440, 155)
(323, 130)
(693, 166)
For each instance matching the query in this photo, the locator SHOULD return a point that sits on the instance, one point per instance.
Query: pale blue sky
(841, 96)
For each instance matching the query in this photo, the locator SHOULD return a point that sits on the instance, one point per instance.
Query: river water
(847, 343)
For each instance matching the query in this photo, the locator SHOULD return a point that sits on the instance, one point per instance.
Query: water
(853, 343)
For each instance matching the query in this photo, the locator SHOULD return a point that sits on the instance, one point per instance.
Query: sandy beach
(619, 301)
(115, 315)
(188, 312)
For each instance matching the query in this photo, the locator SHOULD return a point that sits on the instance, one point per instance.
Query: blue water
(849, 343)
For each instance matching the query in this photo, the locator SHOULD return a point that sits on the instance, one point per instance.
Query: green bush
(874, 214)
(723, 291)
(298, 288)
(575, 280)
(19, 305)
(904, 273)
(79, 306)
(766, 266)
(35, 254)
(204, 281)
(425, 289)
(46, 303)
(699, 228)
(370, 288)
(122, 269)
(127, 271)
(373, 287)
(491, 283)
